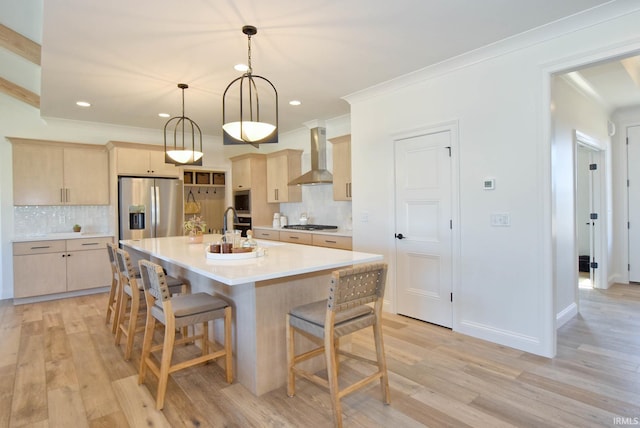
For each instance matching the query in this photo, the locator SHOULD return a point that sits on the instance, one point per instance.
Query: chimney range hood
(318, 173)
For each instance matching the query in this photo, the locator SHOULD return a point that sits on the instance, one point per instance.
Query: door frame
(598, 251)
(452, 128)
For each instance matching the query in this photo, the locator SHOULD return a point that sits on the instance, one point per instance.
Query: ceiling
(126, 57)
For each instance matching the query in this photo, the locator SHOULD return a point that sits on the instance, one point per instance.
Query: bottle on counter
(249, 242)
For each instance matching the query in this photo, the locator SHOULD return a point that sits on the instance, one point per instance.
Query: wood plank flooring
(60, 368)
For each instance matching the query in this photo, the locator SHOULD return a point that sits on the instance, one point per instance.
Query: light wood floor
(59, 368)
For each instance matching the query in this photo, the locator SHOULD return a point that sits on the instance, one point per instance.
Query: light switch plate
(500, 219)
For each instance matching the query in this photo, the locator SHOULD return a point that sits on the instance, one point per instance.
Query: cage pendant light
(242, 97)
(180, 153)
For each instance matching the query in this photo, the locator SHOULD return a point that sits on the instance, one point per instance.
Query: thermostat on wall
(489, 183)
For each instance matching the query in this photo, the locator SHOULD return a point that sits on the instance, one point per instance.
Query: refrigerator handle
(153, 207)
(156, 189)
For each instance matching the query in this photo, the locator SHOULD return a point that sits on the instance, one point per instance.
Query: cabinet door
(342, 169)
(241, 174)
(282, 167)
(37, 175)
(88, 269)
(132, 161)
(86, 176)
(276, 179)
(39, 274)
(157, 166)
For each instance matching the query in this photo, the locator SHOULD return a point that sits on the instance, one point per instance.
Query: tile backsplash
(318, 203)
(37, 220)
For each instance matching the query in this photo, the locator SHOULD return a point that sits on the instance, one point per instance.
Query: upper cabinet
(282, 167)
(341, 168)
(249, 172)
(54, 173)
(144, 161)
(241, 170)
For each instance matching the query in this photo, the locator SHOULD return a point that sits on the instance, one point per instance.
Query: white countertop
(281, 259)
(333, 232)
(61, 235)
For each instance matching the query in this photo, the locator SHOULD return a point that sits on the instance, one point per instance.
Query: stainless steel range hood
(318, 173)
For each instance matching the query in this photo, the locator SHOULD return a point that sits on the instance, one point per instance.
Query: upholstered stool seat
(175, 312)
(346, 311)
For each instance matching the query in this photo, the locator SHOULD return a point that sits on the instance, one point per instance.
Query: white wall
(500, 97)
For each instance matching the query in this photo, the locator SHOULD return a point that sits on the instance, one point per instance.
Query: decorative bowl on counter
(238, 254)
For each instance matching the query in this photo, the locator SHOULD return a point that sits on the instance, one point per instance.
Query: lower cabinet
(273, 235)
(59, 266)
(295, 237)
(339, 242)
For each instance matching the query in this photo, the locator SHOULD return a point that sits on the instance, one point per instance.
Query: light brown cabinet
(139, 161)
(58, 266)
(341, 168)
(241, 171)
(273, 235)
(295, 237)
(340, 242)
(282, 167)
(249, 172)
(52, 173)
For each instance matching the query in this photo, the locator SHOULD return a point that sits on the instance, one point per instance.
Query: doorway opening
(589, 210)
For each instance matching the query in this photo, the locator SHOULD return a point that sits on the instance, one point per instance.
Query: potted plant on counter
(195, 227)
(77, 228)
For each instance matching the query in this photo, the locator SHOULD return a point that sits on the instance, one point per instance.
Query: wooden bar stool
(130, 297)
(112, 302)
(175, 312)
(344, 312)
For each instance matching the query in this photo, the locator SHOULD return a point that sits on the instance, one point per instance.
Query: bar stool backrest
(356, 286)
(154, 280)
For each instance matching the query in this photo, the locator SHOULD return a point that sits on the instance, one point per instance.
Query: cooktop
(310, 227)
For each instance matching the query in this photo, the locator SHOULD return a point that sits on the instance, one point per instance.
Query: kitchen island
(261, 291)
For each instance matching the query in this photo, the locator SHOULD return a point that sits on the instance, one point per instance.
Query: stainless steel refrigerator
(150, 207)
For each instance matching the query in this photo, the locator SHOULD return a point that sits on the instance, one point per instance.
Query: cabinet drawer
(38, 247)
(87, 244)
(339, 242)
(296, 237)
(274, 235)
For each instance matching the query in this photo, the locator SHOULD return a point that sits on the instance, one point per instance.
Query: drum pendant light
(244, 93)
(180, 153)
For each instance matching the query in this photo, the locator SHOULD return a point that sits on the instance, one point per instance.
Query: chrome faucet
(224, 219)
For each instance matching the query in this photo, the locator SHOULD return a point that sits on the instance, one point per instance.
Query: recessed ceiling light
(295, 102)
(164, 114)
(83, 104)
(241, 67)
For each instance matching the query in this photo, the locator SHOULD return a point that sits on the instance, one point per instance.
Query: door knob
(399, 236)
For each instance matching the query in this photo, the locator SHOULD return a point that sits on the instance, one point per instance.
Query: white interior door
(633, 189)
(423, 227)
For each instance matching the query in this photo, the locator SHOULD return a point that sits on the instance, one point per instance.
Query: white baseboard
(566, 314)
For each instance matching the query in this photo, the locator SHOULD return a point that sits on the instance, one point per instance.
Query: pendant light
(244, 92)
(180, 153)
